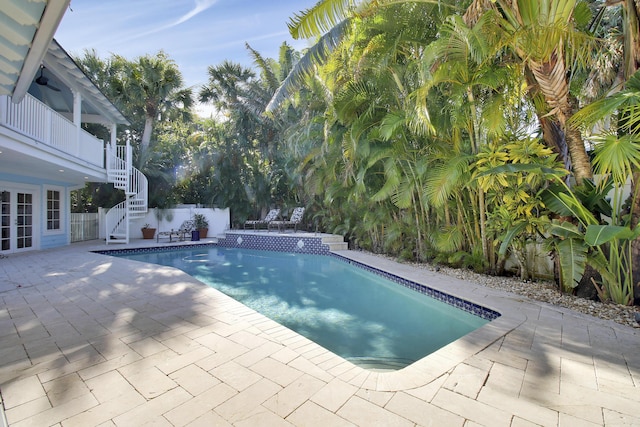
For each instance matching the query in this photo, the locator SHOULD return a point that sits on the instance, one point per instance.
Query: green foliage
(200, 221)
(410, 129)
(462, 259)
(585, 240)
(513, 174)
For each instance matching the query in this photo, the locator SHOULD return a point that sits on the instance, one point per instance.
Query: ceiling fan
(44, 81)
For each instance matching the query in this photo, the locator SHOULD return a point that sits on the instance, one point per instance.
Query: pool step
(335, 243)
(333, 238)
(338, 246)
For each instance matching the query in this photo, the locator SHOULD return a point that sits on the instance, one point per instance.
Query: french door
(17, 219)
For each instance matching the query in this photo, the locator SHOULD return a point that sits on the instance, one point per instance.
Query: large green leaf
(594, 197)
(573, 259)
(513, 232)
(565, 230)
(598, 234)
(566, 204)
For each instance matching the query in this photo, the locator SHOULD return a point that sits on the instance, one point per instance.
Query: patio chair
(272, 215)
(293, 221)
(184, 230)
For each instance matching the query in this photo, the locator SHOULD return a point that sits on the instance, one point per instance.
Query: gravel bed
(545, 292)
(548, 292)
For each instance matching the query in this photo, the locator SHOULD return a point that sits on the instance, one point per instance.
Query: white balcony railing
(35, 120)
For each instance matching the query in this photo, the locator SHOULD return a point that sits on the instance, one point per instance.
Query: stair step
(333, 239)
(338, 246)
(132, 182)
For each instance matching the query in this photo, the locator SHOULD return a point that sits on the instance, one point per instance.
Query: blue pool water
(354, 313)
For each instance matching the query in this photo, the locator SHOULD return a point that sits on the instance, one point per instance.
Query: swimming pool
(359, 315)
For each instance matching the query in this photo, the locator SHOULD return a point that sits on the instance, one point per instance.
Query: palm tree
(154, 86)
(242, 95)
(541, 33)
(462, 62)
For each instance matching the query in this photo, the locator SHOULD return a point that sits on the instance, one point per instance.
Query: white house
(44, 152)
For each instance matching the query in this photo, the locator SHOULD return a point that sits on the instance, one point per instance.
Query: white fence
(84, 226)
(168, 219)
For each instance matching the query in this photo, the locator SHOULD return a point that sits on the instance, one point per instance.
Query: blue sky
(194, 33)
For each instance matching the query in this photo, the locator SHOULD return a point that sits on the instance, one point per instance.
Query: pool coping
(422, 371)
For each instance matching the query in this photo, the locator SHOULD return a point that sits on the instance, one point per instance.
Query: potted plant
(148, 232)
(201, 224)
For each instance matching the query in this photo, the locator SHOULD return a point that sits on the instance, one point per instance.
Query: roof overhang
(27, 30)
(96, 106)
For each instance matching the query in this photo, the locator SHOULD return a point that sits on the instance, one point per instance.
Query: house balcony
(44, 126)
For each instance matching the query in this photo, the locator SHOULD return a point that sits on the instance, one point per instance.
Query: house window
(53, 210)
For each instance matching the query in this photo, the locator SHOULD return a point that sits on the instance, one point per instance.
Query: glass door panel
(24, 220)
(5, 221)
(17, 218)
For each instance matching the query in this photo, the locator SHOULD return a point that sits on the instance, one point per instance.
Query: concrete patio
(92, 340)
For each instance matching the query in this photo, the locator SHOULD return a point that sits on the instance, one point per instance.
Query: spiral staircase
(124, 176)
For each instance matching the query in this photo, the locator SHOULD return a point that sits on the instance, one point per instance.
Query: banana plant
(580, 238)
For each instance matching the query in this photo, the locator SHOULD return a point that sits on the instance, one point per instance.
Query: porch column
(114, 128)
(77, 118)
(111, 149)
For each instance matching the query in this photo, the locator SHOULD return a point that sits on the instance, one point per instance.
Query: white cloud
(199, 7)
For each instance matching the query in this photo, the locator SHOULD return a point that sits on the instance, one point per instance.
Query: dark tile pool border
(133, 251)
(462, 304)
(315, 246)
(278, 243)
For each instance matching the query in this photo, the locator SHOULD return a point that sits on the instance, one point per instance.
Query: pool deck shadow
(93, 340)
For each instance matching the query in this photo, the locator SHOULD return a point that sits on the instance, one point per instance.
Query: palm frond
(265, 68)
(403, 197)
(305, 67)
(448, 239)
(391, 123)
(444, 178)
(617, 155)
(322, 17)
(625, 103)
(390, 187)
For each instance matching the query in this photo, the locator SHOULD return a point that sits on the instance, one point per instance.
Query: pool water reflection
(356, 314)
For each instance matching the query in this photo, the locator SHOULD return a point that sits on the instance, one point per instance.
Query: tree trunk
(631, 31)
(552, 83)
(580, 162)
(554, 139)
(635, 245)
(146, 135)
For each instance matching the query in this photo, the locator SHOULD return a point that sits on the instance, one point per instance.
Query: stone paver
(112, 342)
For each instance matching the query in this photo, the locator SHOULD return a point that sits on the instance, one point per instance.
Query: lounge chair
(272, 215)
(293, 221)
(184, 230)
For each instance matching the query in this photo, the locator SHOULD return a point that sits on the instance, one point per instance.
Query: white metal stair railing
(135, 185)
